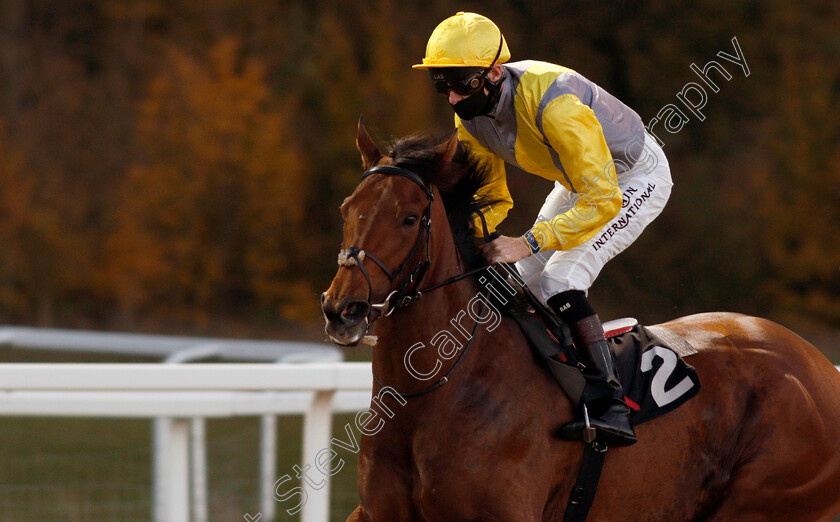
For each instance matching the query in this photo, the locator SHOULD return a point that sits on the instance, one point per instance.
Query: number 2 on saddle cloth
(649, 360)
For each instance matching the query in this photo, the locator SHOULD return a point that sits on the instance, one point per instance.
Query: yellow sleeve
(496, 189)
(576, 136)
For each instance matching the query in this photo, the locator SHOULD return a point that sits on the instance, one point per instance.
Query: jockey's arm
(576, 136)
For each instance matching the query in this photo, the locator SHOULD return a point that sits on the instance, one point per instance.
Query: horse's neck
(428, 330)
(425, 331)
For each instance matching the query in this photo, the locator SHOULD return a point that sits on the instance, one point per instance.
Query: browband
(397, 171)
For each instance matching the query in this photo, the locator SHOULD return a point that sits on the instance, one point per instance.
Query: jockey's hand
(505, 249)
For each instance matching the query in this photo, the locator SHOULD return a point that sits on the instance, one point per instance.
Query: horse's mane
(458, 183)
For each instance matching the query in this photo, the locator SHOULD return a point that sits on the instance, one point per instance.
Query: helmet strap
(498, 52)
(481, 103)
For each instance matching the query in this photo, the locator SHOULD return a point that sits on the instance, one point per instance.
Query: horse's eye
(410, 220)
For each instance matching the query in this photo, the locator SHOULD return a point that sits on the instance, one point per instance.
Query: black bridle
(403, 296)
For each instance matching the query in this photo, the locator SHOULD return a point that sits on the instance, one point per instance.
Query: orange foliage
(183, 161)
(209, 215)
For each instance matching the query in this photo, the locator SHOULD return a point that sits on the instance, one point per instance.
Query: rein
(440, 382)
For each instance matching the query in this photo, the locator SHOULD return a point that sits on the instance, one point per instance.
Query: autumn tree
(211, 214)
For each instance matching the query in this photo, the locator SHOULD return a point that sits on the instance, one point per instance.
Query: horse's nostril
(330, 307)
(354, 312)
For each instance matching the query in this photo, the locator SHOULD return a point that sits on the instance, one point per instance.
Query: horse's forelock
(422, 154)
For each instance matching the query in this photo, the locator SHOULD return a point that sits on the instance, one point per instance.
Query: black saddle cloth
(655, 377)
(649, 362)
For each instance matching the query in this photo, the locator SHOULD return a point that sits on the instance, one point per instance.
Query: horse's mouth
(346, 335)
(347, 319)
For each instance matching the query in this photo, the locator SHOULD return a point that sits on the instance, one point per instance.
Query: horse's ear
(365, 144)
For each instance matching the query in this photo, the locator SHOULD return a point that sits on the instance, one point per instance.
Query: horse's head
(390, 221)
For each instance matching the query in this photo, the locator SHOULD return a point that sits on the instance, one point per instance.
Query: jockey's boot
(602, 395)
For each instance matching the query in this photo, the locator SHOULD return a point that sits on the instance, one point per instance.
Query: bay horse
(760, 441)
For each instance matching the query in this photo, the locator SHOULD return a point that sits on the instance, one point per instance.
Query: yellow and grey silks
(553, 122)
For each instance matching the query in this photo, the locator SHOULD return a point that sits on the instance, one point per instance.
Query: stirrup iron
(589, 432)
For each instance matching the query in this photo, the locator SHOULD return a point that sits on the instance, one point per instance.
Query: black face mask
(472, 106)
(479, 104)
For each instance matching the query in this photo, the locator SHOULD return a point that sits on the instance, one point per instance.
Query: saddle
(649, 359)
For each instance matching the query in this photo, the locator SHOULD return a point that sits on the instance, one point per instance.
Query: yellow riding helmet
(465, 40)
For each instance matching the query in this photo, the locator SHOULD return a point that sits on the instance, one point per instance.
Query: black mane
(457, 182)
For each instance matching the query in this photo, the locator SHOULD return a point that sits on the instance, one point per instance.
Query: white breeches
(645, 189)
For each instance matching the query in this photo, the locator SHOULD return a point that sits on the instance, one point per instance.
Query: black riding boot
(602, 396)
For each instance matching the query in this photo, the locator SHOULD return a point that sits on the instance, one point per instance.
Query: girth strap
(583, 492)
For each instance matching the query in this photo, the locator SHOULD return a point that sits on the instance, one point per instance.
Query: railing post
(172, 475)
(317, 428)
(160, 454)
(198, 447)
(268, 465)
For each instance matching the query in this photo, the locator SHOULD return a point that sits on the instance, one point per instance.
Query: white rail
(180, 349)
(164, 345)
(183, 392)
(185, 377)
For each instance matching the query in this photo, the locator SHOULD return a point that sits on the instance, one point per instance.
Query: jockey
(611, 179)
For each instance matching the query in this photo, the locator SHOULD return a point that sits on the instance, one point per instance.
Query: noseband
(355, 256)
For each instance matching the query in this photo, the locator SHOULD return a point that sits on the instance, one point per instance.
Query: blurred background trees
(177, 166)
